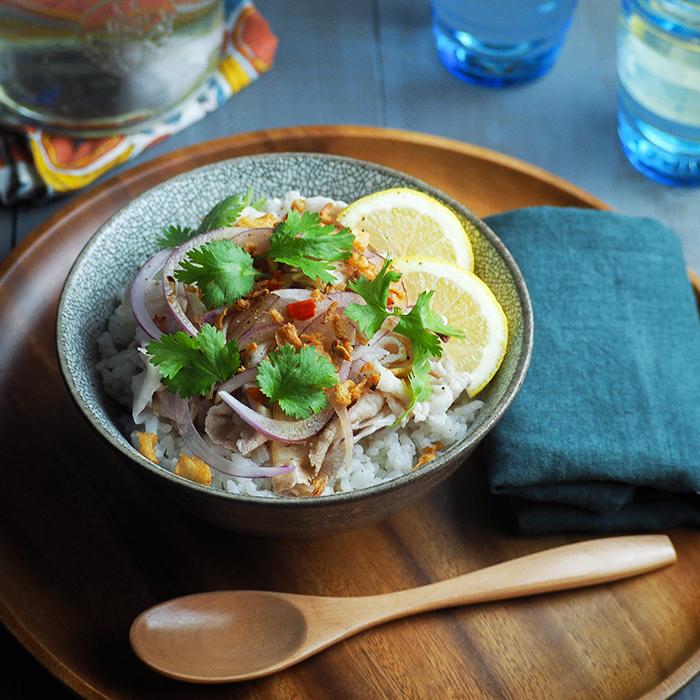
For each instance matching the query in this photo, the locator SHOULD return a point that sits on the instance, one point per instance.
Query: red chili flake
(254, 394)
(302, 310)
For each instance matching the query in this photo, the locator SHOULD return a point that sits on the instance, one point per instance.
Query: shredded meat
(366, 407)
(221, 427)
(321, 445)
(162, 406)
(296, 482)
(247, 444)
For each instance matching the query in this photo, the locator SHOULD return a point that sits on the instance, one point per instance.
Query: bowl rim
(444, 458)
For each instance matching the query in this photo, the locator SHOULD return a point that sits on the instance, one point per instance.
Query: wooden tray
(85, 546)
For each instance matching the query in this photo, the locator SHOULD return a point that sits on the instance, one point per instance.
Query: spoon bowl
(199, 637)
(226, 636)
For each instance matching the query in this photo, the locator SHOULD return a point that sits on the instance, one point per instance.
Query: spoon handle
(570, 566)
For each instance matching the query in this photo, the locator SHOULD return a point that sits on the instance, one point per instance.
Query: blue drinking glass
(658, 69)
(500, 42)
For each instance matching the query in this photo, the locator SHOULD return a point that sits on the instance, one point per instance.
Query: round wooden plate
(85, 545)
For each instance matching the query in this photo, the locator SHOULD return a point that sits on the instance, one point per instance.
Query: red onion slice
(293, 294)
(236, 466)
(209, 316)
(243, 237)
(319, 324)
(289, 432)
(137, 294)
(345, 298)
(238, 380)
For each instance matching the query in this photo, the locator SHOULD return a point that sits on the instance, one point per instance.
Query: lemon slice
(402, 222)
(468, 304)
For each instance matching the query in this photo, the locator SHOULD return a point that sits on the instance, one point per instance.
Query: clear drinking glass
(500, 42)
(658, 68)
(95, 66)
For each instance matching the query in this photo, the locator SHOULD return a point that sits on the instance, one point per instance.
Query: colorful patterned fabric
(35, 164)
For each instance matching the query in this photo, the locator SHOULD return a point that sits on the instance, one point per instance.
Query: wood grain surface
(86, 546)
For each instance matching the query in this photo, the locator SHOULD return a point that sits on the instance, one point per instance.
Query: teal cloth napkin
(605, 432)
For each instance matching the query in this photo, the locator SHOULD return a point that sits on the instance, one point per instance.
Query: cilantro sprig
(173, 236)
(190, 366)
(296, 379)
(303, 242)
(370, 315)
(421, 325)
(224, 213)
(221, 269)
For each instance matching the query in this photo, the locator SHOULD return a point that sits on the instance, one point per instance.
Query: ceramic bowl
(112, 256)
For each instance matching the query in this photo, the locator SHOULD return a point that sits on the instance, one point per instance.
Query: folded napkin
(605, 432)
(35, 164)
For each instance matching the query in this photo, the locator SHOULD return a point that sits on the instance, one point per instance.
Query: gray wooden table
(372, 62)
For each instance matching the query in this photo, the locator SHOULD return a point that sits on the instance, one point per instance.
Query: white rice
(379, 457)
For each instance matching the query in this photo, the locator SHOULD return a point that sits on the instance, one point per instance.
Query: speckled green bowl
(117, 250)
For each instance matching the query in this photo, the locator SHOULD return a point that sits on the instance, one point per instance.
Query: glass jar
(658, 67)
(109, 66)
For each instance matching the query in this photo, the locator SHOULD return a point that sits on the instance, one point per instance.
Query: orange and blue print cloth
(35, 163)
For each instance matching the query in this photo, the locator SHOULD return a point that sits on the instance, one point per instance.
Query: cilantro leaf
(226, 212)
(432, 320)
(421, 324)
(302, 241)
(173, 236)
(419, 379)
(413, 327)
(259, 203)
(189, 365)
(370, 316)
(221, 269)
(297, 379)
(420, 388)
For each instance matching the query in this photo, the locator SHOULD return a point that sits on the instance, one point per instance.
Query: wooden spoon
(237, 635)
